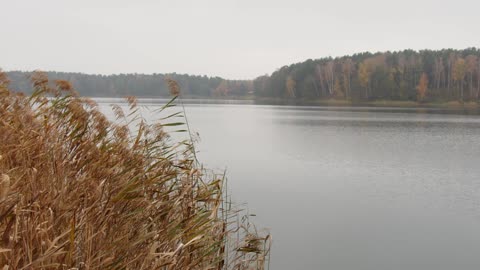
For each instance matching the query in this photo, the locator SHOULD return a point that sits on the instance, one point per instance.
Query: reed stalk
(78, 191)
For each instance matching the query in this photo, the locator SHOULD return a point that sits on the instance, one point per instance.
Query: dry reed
(78, 191)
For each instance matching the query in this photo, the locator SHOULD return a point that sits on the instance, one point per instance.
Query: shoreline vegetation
(373, 103)
(78, 191)
(445, 78)
(467, 105)
(329, 102)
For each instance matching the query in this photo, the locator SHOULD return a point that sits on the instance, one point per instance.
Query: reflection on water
(351, 188)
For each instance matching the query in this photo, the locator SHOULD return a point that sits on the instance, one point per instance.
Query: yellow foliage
(290, 86)
(364, 74)
(422, 86)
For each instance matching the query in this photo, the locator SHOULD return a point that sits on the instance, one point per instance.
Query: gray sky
(228, 38)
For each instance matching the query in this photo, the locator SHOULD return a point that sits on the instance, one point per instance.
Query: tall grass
(78, 191)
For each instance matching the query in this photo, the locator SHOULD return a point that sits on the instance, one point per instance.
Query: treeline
(425, 75)
(140, 85)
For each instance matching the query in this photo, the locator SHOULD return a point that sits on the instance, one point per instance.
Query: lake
(350, 188)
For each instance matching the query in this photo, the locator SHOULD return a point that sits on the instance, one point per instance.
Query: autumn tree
(290, 86)
(422, 87)
(364, 77)
(222, 89)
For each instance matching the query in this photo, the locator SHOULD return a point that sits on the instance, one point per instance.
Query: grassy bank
(78, 191)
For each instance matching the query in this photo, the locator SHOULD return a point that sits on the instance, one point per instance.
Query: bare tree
(450, 63)
(459, 70)
(471, 62)
(438, 70)
(347, 67)
(320, 77)
(329, 72)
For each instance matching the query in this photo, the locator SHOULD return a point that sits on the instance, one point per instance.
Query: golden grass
(78, 191)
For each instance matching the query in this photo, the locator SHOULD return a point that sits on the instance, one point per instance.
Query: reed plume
(79, 191)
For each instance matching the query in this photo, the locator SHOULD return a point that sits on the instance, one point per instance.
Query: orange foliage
(422, 86)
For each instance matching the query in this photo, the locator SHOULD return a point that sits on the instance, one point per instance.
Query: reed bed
(78, 191)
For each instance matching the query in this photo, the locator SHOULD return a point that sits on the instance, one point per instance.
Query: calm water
(363, 188)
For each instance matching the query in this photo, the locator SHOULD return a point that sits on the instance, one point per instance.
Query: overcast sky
(235, 39)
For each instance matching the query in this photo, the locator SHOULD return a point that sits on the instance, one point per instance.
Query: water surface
(351, 188)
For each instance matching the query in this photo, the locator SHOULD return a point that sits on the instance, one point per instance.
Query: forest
(422, 76)
(140, 85)
(408, 75)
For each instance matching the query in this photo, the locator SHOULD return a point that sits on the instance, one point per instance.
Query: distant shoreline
(328, 102)
(379, 103)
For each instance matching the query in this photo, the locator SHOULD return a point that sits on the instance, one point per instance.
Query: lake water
(351, 188)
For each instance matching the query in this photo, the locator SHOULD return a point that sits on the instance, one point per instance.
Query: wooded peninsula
(426, 76)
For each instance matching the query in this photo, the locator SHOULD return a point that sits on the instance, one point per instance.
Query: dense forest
(426, 75)
(141, 85)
